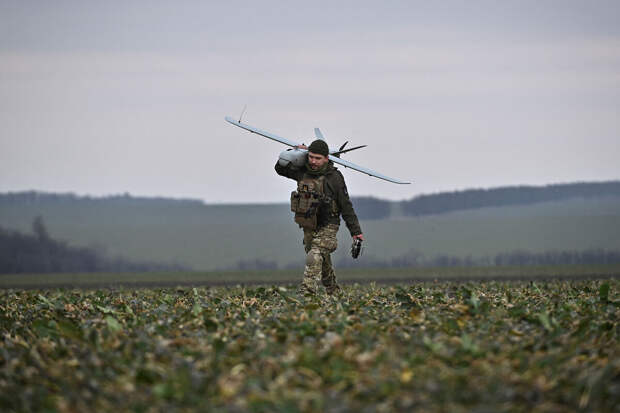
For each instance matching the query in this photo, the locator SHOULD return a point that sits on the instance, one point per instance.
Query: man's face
(316, 160)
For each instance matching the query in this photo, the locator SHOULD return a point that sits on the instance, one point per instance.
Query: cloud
(441, 94)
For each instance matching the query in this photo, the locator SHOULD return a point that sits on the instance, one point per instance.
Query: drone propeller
(341, 151)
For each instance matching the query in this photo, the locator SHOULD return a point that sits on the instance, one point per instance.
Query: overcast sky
(110, 97)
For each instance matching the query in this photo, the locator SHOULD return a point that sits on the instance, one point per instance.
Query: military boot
(330, 284)
(333, 289)
(306, 290)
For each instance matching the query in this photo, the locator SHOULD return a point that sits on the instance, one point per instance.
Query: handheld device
(356, 248)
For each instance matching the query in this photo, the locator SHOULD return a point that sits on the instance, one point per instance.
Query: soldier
(320, 199)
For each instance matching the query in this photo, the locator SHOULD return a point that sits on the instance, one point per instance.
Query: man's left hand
(360, 236)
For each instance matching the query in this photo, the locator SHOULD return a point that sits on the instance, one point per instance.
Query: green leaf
(44, 300)
(113, 324)
(105, 310)
(163, 390)
(68, 329)
(44, 328)
(196, 308)
(469, 345)
(603, 293)
(474, 301)
(544, 320)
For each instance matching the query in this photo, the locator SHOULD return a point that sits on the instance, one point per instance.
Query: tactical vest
(307, 201)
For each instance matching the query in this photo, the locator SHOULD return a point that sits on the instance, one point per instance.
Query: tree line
(444, 202)
(371, 207)
(506, 196)
(415, 259)
(39, 253)
(37, 197)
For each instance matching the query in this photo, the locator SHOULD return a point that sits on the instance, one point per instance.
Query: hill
(507, 196)
(366, 207)
(208, 237)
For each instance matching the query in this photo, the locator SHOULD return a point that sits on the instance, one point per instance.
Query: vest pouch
(305, 202)
(295, 201)
(306, 222)
(309, 186)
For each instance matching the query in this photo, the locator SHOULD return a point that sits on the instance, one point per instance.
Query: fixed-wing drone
(297, 156)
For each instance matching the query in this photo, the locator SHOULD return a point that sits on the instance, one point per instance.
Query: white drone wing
(261, 132)
(367, 171)
(332, 158)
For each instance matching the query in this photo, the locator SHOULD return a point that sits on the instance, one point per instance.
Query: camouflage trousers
(319, 244)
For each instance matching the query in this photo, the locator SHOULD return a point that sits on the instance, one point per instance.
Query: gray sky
(130, 96)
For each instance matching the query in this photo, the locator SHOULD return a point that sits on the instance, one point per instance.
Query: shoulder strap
(321, 184)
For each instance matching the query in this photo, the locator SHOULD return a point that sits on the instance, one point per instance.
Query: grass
(544, 346)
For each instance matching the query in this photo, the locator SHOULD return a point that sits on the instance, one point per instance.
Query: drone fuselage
(298, 157)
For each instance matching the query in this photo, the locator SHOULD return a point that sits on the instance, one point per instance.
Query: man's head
(318, 154)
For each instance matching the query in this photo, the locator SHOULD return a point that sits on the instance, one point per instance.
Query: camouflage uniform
(320, 243)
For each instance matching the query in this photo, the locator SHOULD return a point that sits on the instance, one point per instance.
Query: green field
(544, 346)
(215, 237)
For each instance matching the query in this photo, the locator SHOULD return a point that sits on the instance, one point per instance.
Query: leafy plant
(492, 346)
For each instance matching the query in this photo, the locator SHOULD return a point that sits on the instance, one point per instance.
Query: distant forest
(38, 197)
(505, 196)
(39, 253)
(370, 207)
(518, 258)
(414, 259)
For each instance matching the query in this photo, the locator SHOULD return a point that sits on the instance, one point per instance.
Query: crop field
(542, 346)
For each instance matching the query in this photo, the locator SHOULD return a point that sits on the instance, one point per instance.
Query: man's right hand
(302, 146)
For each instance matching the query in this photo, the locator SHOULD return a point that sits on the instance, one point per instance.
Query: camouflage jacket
(336, 189)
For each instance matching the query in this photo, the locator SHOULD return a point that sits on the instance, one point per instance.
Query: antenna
(242, 112)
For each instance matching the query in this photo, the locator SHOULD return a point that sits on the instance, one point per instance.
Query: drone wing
(332, 158)
(366, 171)
(261, 132)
